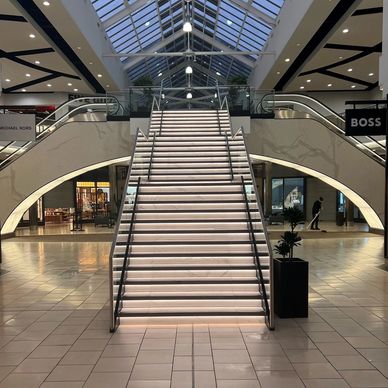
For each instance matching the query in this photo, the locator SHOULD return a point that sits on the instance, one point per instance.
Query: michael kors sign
(364, 122)
(17, 127)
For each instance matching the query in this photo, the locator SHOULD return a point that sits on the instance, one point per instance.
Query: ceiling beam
(222, 47)
(156, 47)
(370, 50)
(124, 13)
(31, 83)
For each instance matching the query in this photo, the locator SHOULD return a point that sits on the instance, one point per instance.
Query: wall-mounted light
(189, 96)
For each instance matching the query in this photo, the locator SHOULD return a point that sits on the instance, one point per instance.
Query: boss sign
(363, 122)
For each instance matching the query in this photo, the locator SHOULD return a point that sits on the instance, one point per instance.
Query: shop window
(287, 192)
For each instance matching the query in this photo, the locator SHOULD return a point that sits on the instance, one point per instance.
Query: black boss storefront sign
(364, 122)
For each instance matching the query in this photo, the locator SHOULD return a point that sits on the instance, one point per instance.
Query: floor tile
(37, 365)
(271, 363)
(234, 372)
(70, 373)
(114, 364)
(316, 371)
(157, 372)
(365, 378)
(80, 358)
(279, 379)
(107, 380)
(349, 362)
(23, 380)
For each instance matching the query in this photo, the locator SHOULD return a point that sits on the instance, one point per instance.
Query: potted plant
(290, 273)
(146, 83)
(234, 91)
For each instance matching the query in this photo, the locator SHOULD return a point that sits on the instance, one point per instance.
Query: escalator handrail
(48, 130)
(315, 101)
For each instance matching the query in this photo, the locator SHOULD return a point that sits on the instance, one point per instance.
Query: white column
(383, 71)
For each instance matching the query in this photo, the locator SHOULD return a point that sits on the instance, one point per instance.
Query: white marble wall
(74, 148)
(312, 148)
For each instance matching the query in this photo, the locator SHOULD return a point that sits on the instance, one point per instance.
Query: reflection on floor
(54, 327)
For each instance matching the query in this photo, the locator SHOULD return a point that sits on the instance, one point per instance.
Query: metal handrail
(117, 229)
(151, 157)
(269, 247)
(126, 256)
(229, 156)
(219, 122)
(259, 272)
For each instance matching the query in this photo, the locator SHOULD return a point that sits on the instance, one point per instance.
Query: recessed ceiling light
(28, 75)
(278, 72)
(7, 80)
(298, 44)
(353, 86)
(76, 90)
(308, 81)
(79, 48)
(69, 84)
(350, 69)
(371, 74)
(108, 86)
(345, 30)
(287, 60)
(229, 22)
(340, 57)
(329, 85)
(90, 63)
(37, 62)
(99, 75)
(46, 3)
(32, 36)
(302, 87)
(160, 74)
(24, 90)
(49, 85)
(381, 88)
(189, 96)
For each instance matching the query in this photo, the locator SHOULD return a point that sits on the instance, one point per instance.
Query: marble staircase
(191, 256)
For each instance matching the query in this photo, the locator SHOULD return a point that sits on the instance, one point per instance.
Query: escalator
(74, 139)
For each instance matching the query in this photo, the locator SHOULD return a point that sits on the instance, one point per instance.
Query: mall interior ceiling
(72, 46)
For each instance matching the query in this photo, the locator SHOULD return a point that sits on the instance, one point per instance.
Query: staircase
(187, 227)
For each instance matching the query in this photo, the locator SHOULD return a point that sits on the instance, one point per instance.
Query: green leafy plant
(234, 91)
(290, 239)
(146, 82)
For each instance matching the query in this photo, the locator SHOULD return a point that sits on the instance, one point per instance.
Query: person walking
(316, 211)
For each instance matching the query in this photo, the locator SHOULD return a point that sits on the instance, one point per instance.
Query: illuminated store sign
(365, 122)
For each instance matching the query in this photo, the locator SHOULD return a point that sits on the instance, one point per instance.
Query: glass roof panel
(151, 25)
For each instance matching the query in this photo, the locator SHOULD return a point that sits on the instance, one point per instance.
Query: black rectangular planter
(291, 286)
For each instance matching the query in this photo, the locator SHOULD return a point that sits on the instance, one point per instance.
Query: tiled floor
(54, 327)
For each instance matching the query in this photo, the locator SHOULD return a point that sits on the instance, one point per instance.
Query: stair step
(198, 280)
(161, 237)
(188, 304)
(198, 313)
(193, 296)
(189, 227)
(169, 216)
(190, 287)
